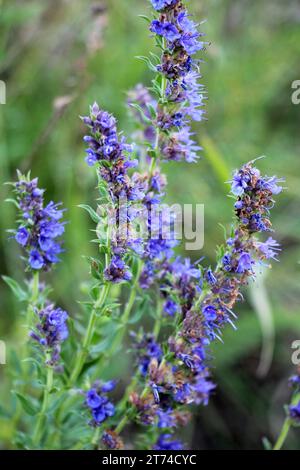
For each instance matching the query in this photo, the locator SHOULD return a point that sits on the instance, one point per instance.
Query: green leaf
(138, 107)
(93, 214)
(13, 201)
(20, 293)
(151, 110)
(28, 406)
(146, 18)
(266, 444)
(147, 61)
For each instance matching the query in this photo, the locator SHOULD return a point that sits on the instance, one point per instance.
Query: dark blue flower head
(51, 331)
(166, 418)
(255, 197)
(295, 381)
(162, 4)
(111, 440)
(117, 271)
(98, 403)
(294, 412)
(209, 312)
(180, 38)
(203, 388)
(171, 307)
(269, 249)
(165, 442)
(40, 227)
(147, 349)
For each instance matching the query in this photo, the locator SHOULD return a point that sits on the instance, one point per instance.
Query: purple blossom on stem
(40, 227)
(98, 403)
(294, 412)
(165, 442)
(51, 331)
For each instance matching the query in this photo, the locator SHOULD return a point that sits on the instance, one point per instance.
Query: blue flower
(245, 263)
(36, 260)
(166, 418)
(203, 389)
(22, 236)
(258, 224)
(41, 226)
(294, 412)
(117, 271)
(147, 349)
(162, 4)
(51, 331)
(269, 249)
(98, 403)
(165, 442)
(295, 380)
(170, 307)
(103, 412)
(227, 262)
(112, 440)
(108, 386)
(211, 278)
(91, 158)
(167, 30)
(183, 394)
(239, 183)
(271, 184)
(183, 93)
(209, 312)
(93, 400)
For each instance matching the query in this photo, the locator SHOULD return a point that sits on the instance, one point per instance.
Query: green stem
(158, 320)
(95, 439)
(121, 424)
(42, 415)
(81, 357)
(123, 321)
(35, 287)
(32, 303)
(286, 427)
(283, 434)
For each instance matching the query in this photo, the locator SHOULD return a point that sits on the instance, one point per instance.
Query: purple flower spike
(41, 226)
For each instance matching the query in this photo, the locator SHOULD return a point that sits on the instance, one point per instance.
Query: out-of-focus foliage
(58, 56)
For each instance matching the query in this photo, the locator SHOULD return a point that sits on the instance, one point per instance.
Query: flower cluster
(192, 303)
(184, 378)
(294, 408)
(147, 349)
(40, 226)
(294, 411)
(98, 403)
(255, 198)
(51, 332)
(165, 442)
(111, 154)
(174, 371)
(182, 96)
(111, 440)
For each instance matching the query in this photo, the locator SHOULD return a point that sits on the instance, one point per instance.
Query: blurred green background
(57, 57)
